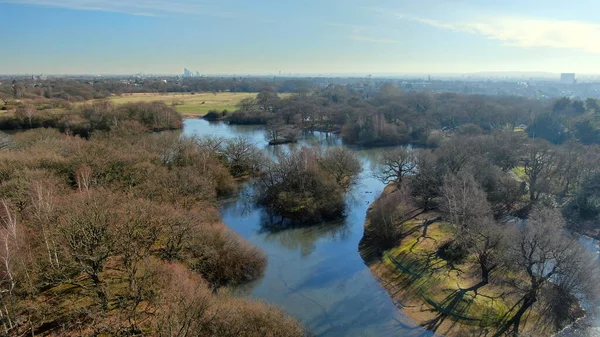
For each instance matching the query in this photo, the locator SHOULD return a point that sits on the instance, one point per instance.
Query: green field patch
(190, 104)
(422, 272)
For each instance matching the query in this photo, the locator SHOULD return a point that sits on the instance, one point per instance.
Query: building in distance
(567, 78)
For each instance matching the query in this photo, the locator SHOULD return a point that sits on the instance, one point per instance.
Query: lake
(316, 273)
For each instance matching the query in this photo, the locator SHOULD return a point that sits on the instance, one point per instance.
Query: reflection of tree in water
(303, 238)
(242, 204)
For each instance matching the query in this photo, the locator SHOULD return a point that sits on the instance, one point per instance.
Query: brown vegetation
(307, 187)
(118, 235)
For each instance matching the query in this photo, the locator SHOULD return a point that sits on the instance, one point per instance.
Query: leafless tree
(84, 178)
(247, 104)
(464, 201)
(26, 113)
(539, 163)
(8, 260)
(487, 241)
(277, 132)
(426, 184)
(342, 164)
(138, 232)
(89, 237)
(395, 165)
(43, 206)
(388, 218)
(185, 306)
(242, 156)
(544, 253)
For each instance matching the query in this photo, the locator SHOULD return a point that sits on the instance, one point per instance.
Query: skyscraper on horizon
(567, 78)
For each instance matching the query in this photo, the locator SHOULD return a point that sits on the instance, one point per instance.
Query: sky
(299, 37)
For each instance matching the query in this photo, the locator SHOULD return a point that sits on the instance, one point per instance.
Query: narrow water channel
(316, 273)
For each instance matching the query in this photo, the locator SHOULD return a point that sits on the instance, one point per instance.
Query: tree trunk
(99, 290)
(515, 321)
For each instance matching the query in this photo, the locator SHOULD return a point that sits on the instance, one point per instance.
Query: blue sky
(301, 36)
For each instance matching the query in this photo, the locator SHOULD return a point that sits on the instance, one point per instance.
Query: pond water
(316, 273)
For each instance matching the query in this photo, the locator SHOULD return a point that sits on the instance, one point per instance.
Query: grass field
(188, 104)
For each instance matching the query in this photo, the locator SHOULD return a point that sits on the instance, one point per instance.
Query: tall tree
(395, 165)
(543, 253)
(538, 163)
(464, 202)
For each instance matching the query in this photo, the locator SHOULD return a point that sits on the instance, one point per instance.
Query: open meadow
(188, 104)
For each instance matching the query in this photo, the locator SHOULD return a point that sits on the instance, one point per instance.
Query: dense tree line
(83, 89)
(386, 117)
(91, 117)
(568, 119)
(375, 114)
(391, 117)
(119, 235)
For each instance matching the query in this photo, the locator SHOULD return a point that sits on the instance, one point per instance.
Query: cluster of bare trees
(387, 116)
(307, 186)
(93, 117)
(119, 235)
(469, 181)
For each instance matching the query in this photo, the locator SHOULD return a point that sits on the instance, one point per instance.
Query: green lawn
(188, 104)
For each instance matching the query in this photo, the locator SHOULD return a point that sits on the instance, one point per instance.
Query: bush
(250, 117)
(224, 260)
(453, 252)
(214, 115)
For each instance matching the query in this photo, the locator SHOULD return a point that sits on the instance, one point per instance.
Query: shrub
(298, 189)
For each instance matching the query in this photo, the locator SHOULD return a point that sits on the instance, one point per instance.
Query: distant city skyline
(304, 38)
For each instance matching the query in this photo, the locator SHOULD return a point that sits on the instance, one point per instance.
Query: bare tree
(388, 219)
(267, 100)
(277, 132)
(26, 113)
(426, 184)
(185, 305)
(8, 260)
(464, 201)
(487, 241)
(395, 165)
(538, 163)
(242, 156)
(84, 178)
(543, 253)
(88, 233)
(138, 232)
(342, 164)
(43, 207)
(247, 104)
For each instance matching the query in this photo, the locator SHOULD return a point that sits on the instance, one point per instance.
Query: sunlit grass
(190, 104)
(434, 280)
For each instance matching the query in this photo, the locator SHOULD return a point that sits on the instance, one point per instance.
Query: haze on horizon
(304, 37)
